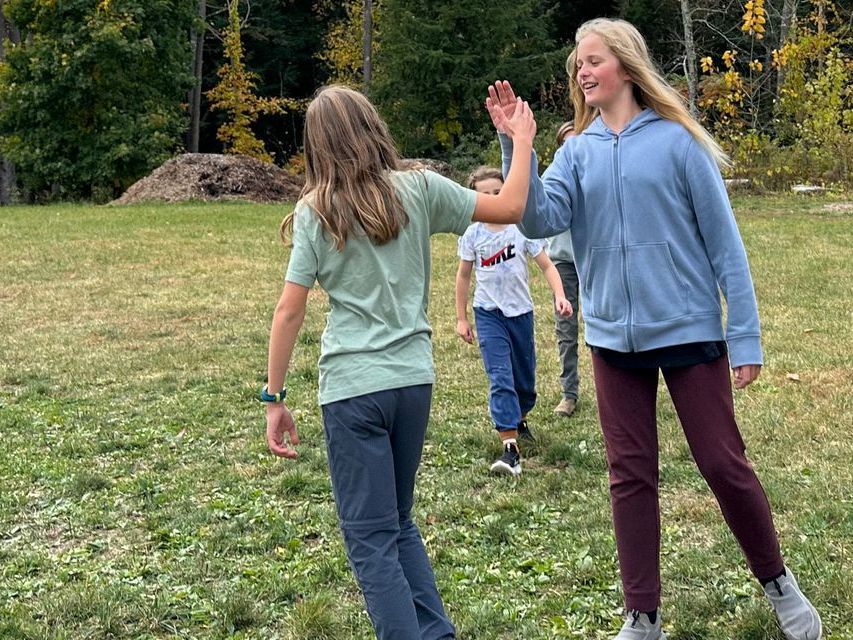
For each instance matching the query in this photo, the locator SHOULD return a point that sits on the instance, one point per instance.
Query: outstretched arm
(561, 303)
(548, 211)
(506, 207)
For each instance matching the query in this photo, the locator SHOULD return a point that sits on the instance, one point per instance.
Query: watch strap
(266, 396)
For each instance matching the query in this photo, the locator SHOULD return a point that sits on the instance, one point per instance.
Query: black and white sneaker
(524, 432)
(510, 461)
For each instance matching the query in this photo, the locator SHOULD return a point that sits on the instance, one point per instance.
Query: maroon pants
(703, 400)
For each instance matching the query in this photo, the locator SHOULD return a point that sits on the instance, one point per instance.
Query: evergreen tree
(282, 40)
(568, 15)
(437, 59)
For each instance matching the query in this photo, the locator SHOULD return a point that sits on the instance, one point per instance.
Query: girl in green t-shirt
(361, 230)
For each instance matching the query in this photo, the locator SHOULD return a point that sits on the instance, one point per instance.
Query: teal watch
(266, 396)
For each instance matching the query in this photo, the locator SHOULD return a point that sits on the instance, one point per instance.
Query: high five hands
(510, 114)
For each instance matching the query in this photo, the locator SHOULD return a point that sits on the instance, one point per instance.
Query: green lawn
(138, 500)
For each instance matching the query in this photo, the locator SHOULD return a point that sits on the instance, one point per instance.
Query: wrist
(267, 396)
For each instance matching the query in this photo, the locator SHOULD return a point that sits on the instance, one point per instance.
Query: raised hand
(501, 100)
(521, 126)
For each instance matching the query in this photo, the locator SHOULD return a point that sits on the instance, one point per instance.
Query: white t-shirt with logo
(500, 265)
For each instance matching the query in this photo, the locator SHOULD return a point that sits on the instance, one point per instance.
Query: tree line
(94, 94)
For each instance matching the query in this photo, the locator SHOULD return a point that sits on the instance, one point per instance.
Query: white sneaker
(798, 619)
(638, 627)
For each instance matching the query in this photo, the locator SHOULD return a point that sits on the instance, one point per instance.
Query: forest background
(94, 94)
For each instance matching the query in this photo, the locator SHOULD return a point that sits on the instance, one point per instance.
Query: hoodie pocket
(605, 285)
(657, 291)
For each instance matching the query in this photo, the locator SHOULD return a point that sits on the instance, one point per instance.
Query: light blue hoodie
(654, 236)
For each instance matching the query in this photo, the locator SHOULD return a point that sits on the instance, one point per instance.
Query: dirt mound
(428, 163)
(209, 176)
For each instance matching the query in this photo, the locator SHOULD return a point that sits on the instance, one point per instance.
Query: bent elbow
(516, 212)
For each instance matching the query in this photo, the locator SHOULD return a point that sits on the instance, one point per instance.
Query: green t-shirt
(377, 334)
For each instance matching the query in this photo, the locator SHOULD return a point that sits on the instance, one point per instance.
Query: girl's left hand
(745, 374)
(563, 307)
(279, 420)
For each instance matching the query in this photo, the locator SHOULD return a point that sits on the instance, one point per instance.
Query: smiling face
(600, 75)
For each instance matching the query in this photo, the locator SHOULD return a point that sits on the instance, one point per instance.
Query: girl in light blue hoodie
(655, 241)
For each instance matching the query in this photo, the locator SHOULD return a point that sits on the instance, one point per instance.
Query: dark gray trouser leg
(375, 443)
(567, 332)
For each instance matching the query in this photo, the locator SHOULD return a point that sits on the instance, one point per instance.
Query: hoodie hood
(600, 130)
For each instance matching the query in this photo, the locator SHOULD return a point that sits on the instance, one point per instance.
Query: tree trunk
(7, 169)
(789, 12)
(195, 92)
(7, 30)
(367, 45)
(689, 55)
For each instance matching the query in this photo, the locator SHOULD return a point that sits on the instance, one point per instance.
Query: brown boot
(566, 407)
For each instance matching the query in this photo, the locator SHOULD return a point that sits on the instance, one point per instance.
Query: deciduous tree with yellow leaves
(799, 129)
(235, 95)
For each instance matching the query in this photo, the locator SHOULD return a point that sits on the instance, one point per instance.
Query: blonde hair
(484, 173)
(348, 156)
(566, 129)
(650, 88)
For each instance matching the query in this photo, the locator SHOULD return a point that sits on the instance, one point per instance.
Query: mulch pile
(209, 176)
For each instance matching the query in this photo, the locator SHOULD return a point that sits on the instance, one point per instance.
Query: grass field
(138, 500)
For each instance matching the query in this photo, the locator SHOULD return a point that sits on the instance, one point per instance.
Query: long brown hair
(348, 154)
(650, 88)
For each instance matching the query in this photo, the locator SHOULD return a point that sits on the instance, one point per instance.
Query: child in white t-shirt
(503, 312)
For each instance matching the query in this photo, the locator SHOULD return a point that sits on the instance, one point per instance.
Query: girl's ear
(625, 74)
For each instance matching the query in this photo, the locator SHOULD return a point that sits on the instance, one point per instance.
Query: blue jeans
(374, 443)
(509, 357)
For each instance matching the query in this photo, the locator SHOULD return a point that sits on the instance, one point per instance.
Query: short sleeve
(450, 206)
(535, 247)
(303, 266)
(465, 246)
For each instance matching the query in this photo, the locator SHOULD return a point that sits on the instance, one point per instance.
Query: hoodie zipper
(623, 237)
